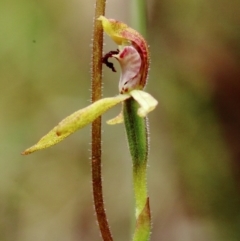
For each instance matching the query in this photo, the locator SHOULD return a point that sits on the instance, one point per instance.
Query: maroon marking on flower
(106, 57)
(130, 62)
(123, 53)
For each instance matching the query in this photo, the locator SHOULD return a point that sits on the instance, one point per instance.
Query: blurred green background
(194, 167)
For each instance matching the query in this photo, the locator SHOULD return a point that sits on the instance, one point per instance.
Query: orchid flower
(133, 58)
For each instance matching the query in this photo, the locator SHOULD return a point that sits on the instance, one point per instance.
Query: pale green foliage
(75, 121)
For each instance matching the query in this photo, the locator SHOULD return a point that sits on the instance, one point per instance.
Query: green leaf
(75, 121)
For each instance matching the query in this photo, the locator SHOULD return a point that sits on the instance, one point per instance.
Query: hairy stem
(96, 125)
(138, 145)
(137, 133)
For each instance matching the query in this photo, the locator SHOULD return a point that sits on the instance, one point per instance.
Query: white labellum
(130, 62)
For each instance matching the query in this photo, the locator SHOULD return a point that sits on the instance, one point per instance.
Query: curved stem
(96, 125)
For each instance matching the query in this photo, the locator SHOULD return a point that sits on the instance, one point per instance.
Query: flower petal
(116, 120)
(146, 101)
(75, 121)
(130, 62)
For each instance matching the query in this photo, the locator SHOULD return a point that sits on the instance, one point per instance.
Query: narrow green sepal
(75, 121)
(87, 115)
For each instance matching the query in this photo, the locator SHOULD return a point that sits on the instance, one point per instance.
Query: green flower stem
(96, 125)
(137, 134)
(138, 15)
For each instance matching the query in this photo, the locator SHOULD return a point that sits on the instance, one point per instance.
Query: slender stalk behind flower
(96, 125)
(139, 15)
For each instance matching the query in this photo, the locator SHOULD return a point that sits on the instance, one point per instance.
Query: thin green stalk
(138, 15)
(97, 50)
(137, 133)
